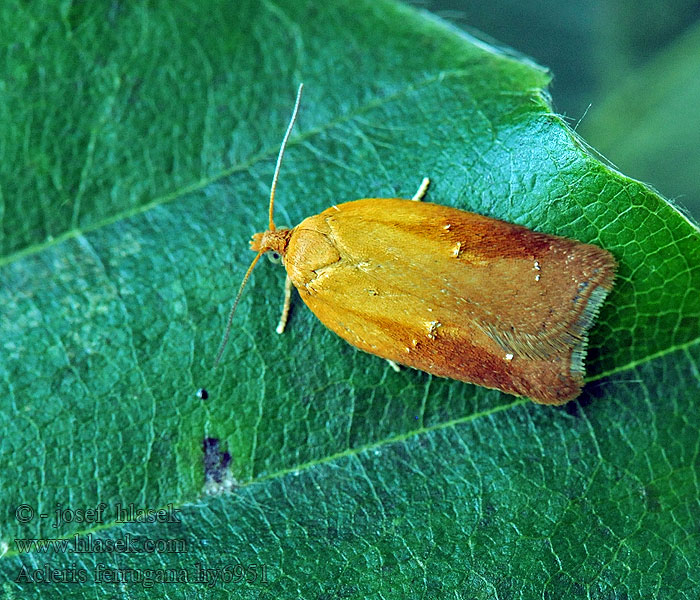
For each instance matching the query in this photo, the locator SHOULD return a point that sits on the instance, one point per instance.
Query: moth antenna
(224, 340)
(227, 332)
(281, 154)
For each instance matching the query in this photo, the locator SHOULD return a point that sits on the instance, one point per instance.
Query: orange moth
(446, 291)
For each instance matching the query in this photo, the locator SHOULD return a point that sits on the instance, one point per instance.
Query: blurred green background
(626, 73)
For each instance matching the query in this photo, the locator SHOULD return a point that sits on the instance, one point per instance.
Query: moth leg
(393, 365)
(285, 308)
(418, 196)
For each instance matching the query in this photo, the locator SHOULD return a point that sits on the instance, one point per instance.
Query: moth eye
(274, 257)
(202, 393)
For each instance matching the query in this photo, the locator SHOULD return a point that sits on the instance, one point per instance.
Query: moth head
(274, 243)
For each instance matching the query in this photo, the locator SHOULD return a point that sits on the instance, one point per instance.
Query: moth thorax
(275, 241)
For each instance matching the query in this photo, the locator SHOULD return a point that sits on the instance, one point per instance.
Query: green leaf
(138, 142)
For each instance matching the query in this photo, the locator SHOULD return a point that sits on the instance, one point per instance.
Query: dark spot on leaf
(575, 407)
(216, 461)
(584, 400)
(571, 408)
(653, 503)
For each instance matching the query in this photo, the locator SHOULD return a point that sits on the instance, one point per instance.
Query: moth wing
(453, 293)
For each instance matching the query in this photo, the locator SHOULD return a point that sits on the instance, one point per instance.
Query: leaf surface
(138, 144)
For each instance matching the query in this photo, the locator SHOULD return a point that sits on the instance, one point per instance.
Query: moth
(443, 290)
